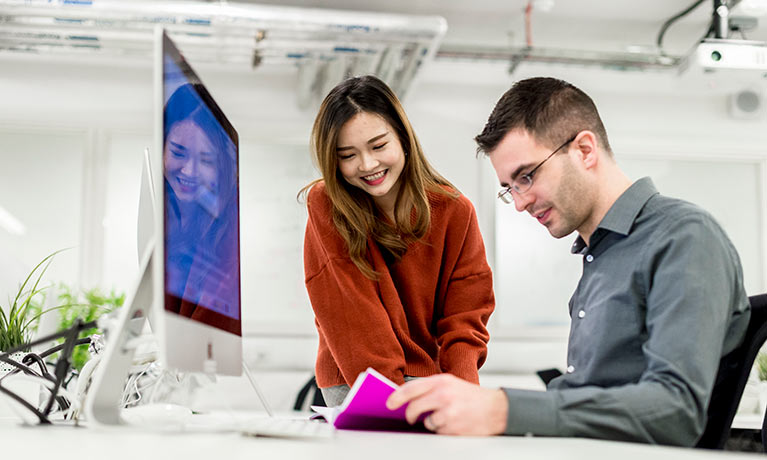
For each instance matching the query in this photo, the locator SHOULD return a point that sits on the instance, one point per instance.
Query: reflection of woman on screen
(200, 218)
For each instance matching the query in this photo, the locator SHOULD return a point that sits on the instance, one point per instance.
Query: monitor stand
(104, 398)
(256, 388)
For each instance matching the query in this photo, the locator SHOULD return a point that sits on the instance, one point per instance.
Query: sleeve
(693, 281)
(461, 330)
(349, 313)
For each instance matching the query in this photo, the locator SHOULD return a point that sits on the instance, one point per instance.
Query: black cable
(43, 374)
(62, 365)
(72, 375)
(52, 350)
(63, 402)
(23, 402)
(19, 368)
(40, 363)
(672, 20)
(47, 338)
(27, 370)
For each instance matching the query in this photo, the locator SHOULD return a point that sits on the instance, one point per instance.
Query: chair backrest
(732, 376)
(309, 391)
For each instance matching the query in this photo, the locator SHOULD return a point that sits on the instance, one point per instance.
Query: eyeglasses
(523, 183)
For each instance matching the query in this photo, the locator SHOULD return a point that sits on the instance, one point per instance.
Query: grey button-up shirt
(660, 301)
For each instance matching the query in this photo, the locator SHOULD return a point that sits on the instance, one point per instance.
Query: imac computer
(188, 239)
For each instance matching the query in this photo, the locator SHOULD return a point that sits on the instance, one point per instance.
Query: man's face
(560, 197)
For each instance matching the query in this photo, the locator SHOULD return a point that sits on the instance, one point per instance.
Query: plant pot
(29, 391)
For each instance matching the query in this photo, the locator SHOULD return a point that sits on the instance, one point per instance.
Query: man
(659, 303)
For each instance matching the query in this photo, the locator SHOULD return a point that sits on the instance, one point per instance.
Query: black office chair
(731, 379)
(310, 392)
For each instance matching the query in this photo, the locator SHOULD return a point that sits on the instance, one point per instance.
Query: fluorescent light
(10, 223)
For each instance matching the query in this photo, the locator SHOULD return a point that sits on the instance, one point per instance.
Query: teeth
(375, 176)
(186, 182)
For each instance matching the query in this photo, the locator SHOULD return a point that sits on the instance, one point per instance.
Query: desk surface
(748, 421)
(63, 443)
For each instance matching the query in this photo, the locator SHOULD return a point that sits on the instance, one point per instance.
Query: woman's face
(191, 161)
(370, 157)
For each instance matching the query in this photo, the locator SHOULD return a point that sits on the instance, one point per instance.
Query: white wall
(72, 135)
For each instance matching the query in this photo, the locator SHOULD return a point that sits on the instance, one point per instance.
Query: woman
(201, 223)
(394, 261)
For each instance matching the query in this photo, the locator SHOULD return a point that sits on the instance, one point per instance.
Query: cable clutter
(33, 368)
(65, 388)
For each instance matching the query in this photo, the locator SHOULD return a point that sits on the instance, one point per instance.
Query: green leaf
(14, 325)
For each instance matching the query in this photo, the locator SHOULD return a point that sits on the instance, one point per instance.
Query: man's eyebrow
(519, 170)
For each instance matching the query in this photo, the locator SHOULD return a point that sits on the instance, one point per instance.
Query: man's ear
(586, 146)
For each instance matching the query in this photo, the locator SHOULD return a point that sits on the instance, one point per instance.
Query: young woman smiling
(393, 257)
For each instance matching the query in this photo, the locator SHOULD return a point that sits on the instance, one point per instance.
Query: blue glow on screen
(202, 266)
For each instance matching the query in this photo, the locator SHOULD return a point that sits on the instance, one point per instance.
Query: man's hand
(456, 406)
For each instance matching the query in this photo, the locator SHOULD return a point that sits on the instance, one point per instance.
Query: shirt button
(581, 314)
(570, 369)
(589, 258)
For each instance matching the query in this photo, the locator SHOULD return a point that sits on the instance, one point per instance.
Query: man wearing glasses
(659, 303)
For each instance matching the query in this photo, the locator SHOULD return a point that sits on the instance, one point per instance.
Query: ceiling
(316, 37)
(597, 25)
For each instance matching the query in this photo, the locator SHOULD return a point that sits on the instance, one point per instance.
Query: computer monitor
(198, 261)
(188, 241)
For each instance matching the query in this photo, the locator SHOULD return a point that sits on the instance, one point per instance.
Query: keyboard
(287, 428)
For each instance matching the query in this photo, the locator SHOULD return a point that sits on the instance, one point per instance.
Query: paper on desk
(364, 408)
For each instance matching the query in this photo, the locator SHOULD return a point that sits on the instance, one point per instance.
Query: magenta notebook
(365, 407)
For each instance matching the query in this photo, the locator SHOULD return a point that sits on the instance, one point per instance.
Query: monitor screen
(200, 200)
(188, 241)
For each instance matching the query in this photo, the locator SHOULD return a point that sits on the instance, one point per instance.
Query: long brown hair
(355, 214)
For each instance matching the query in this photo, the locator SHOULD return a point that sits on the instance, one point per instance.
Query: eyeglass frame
(506, 195)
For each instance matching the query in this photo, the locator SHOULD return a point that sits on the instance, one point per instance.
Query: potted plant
(19, 318)
(17, 322)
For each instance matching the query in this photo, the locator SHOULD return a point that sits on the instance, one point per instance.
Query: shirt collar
(622, 214)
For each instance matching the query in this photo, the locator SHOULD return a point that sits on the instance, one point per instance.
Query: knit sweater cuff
(462, 361)
(531, 412)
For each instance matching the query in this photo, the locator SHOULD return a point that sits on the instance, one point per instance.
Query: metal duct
(231, 34)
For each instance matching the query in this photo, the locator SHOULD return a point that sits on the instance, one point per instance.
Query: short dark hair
(551, 110)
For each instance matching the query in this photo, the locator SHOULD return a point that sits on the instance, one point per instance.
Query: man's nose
(522, 202)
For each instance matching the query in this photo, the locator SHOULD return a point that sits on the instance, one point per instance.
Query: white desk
(748, 421)
(63, 443)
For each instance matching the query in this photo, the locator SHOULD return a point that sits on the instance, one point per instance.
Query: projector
(714, 54)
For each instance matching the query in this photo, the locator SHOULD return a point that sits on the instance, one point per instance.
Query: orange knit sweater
(424, 315)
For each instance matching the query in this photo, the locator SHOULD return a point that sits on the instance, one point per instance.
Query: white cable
(71, 397)
(132, 381)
